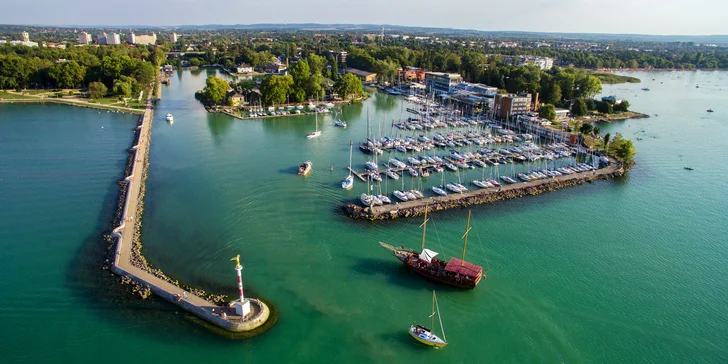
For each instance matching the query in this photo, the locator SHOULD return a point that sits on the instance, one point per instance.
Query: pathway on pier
(123, 255)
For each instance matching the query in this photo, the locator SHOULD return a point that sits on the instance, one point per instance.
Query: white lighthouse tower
(242, 307)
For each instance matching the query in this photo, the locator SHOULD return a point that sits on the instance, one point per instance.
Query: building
(273, 67)
(509, 105)
(611, 99)
(236, 99)
(439, 83)
(244, 68)
(339, 56)
(20, 42)
(173, 38)
(411, 74)
(561, 114)
(543, 63)
(364, 76)
(25, 36)
(113, 38)
(101, 38)
(145, 39)
(132, 38)
(84, 38)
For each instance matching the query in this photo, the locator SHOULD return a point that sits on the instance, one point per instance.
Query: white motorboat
(461, 186)
(482, 184)
(170, 117)
(439, 191)
(401, 196)
(376, 201)
(413, 172)
(340, 123)
(410, 195)
(451, 167)
(418, 193)
(371, 165)
(414, 161)
(384, 199)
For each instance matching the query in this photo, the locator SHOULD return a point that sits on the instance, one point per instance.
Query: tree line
(123, 69)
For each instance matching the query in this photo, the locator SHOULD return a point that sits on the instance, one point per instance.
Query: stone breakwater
(416, 208)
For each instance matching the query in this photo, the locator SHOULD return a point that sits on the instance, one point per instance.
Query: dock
(482, 196)
(124, 263)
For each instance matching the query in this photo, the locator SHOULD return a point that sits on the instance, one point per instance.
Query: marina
(567, 269)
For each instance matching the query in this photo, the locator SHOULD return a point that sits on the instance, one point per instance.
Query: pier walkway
(123, 265)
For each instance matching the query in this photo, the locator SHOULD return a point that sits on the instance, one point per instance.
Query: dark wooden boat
(455, 272)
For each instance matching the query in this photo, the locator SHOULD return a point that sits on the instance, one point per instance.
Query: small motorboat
(710, 110)
(439, 191)
(366, 200)
(392, 174)
(171, 118)
(401, 196)
(348, 182)
(304, 168)
(384, 199)
(340, 123)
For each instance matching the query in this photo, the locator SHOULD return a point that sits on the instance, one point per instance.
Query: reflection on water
(384, 101)
(219, 124)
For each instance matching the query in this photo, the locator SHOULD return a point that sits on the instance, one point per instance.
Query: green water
(632, 270)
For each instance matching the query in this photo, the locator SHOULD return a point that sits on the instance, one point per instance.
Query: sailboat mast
(465, 238)
(432, 316)
(351, 148)
(424, 228)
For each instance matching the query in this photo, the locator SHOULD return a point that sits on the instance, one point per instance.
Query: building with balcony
(510, 105)
(438, 82)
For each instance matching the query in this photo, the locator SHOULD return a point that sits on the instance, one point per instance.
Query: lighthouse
(242, 306)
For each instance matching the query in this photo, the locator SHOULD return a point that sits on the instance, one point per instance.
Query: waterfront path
(125, 239)
(68, 101)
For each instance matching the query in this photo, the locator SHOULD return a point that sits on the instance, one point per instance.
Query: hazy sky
(686, 17)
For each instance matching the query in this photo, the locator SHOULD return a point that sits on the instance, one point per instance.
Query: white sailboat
(316, 133)
(349, 180)
(425, 335)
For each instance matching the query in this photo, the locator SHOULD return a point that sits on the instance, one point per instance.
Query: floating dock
(482, 196)
(221, 316)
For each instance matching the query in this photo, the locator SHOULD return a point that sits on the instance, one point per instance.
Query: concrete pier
(482, 196)
(222, 316)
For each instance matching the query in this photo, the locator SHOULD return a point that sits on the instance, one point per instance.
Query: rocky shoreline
(138, 260)
(477, 198)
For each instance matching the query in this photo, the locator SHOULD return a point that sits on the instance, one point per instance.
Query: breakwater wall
(483, 196)
(128, 262)
(73, 103)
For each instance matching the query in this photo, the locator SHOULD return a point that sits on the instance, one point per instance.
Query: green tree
(97, 90)
(622, 106)
(606, 107)
(67, 74)
(472, 66)
(579, 108)
(586, 128)
(122, 88)
(386, 71)
(215, 90)
(590, 86)
(606, 141)
(300, 73)
(622, 148)
(316, 63)
(547, 111)
(275, 89)
(349, 85)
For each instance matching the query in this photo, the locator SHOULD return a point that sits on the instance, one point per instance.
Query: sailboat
(315, 133)
(349, 180)
(456, 272)
(425, 335)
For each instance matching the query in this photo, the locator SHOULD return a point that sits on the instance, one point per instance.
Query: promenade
(124, 235)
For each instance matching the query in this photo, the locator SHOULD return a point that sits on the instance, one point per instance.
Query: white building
(244, 68)
(439, 82)
(145, 39)
(25, 36)
(132, 38)
(101, 38)
(84, 38)
(543, 63)
(173, 38)
(113, 38)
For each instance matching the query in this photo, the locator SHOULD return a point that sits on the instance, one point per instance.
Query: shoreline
(126, 259)
(72, 103)
(482, 196)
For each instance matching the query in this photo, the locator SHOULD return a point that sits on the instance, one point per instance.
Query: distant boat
(170, 117)
(697, 86)
(349, 180)
(710, 110)
(425, 335)
(688, 168)
(340, 123)
(315, 133)
(304, 168)
(645, 89)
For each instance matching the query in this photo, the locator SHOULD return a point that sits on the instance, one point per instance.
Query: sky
(669, 17)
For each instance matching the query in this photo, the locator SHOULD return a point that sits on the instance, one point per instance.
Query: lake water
(632, 270)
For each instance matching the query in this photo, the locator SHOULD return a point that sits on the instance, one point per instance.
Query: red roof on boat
(458, 266)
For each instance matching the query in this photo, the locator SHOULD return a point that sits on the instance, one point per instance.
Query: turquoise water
(615, 271)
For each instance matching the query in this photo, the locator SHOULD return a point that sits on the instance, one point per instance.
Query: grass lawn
(9, 96)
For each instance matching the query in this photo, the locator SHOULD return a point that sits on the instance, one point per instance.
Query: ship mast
(465, 238)
(424, 229)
